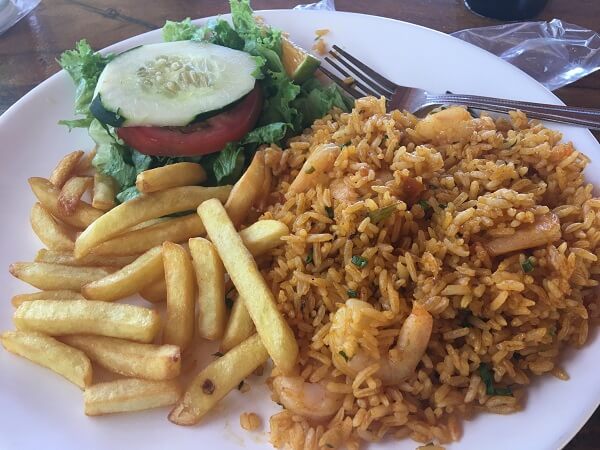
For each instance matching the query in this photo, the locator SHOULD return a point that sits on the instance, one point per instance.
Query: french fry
(46, 295)
(85, 167)
(245, 192)
(173, 175)
(56, 317)
(155, 292)
(140, 240)
(181, 290)
(67, 361)
(262, 199)
(128, 280)
(131, 359)
(49, 277)
(274, 331)
(150, 223)
(53, 234)
(129, 395)
(92, 260)
(47, 195)
(104, 192)
(142, 208)
(65, 168)
(217, 380)
(71, 193)
(239, 326)
(264, 235)
(210, 276)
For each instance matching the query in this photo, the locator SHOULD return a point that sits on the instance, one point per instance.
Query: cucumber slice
(171, 83)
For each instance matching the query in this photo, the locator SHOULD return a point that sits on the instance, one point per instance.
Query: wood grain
(29, 50)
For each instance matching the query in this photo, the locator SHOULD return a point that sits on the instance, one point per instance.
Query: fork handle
(587, 117)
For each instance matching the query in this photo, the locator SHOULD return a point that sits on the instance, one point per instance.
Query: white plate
(40, 410)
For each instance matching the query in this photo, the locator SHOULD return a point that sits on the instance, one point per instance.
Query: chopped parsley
(382, 213)
(329, 211)
(309, 170)
(228, 302)
(528, 265)
(343, 355)
(443, 205)
(352, 293)
(309, 258)
(427, 209)
(359, 261)
(485, 372)
(552, 331)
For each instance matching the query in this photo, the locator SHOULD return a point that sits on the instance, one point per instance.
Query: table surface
(28, 51)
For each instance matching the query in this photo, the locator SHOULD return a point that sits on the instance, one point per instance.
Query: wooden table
(28, 50)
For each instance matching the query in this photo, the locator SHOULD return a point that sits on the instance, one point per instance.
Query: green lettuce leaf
(316, 100)
(112, 158)
(181, 31)
(84, 66)
(226, 166)
(128, 194)
(77, 123)
(219, 32)
(272, 133)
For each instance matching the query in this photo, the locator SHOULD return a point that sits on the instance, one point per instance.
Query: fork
(360, 80)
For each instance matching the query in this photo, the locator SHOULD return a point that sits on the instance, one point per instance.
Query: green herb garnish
(343, 355)
(427, 209)
(528, 265)
(359, 261)
(309, 258)
(352, 293)
(228, 303)
(507, 392)
(309, 170)
(485, 372)
(443, 205)
(382, 213)
(552, 331)
(329, 211)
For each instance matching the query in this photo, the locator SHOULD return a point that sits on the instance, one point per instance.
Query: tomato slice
(208, 136)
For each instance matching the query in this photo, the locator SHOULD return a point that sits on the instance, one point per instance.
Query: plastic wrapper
(323, 5)
(11, 11)
(555, 53)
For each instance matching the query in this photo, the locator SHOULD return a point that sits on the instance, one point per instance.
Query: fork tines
(358, 78)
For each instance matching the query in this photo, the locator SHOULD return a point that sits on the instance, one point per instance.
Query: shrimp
(315, 168)
(545, 230)
(412, 341)
(310, 400)
(449, 125)
(342, 192)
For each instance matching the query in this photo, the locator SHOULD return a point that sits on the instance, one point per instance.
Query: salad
(211, 94)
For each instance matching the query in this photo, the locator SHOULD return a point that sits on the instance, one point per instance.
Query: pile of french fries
(97, 254)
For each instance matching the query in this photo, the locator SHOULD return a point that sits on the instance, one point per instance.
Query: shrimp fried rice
(433, 268)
